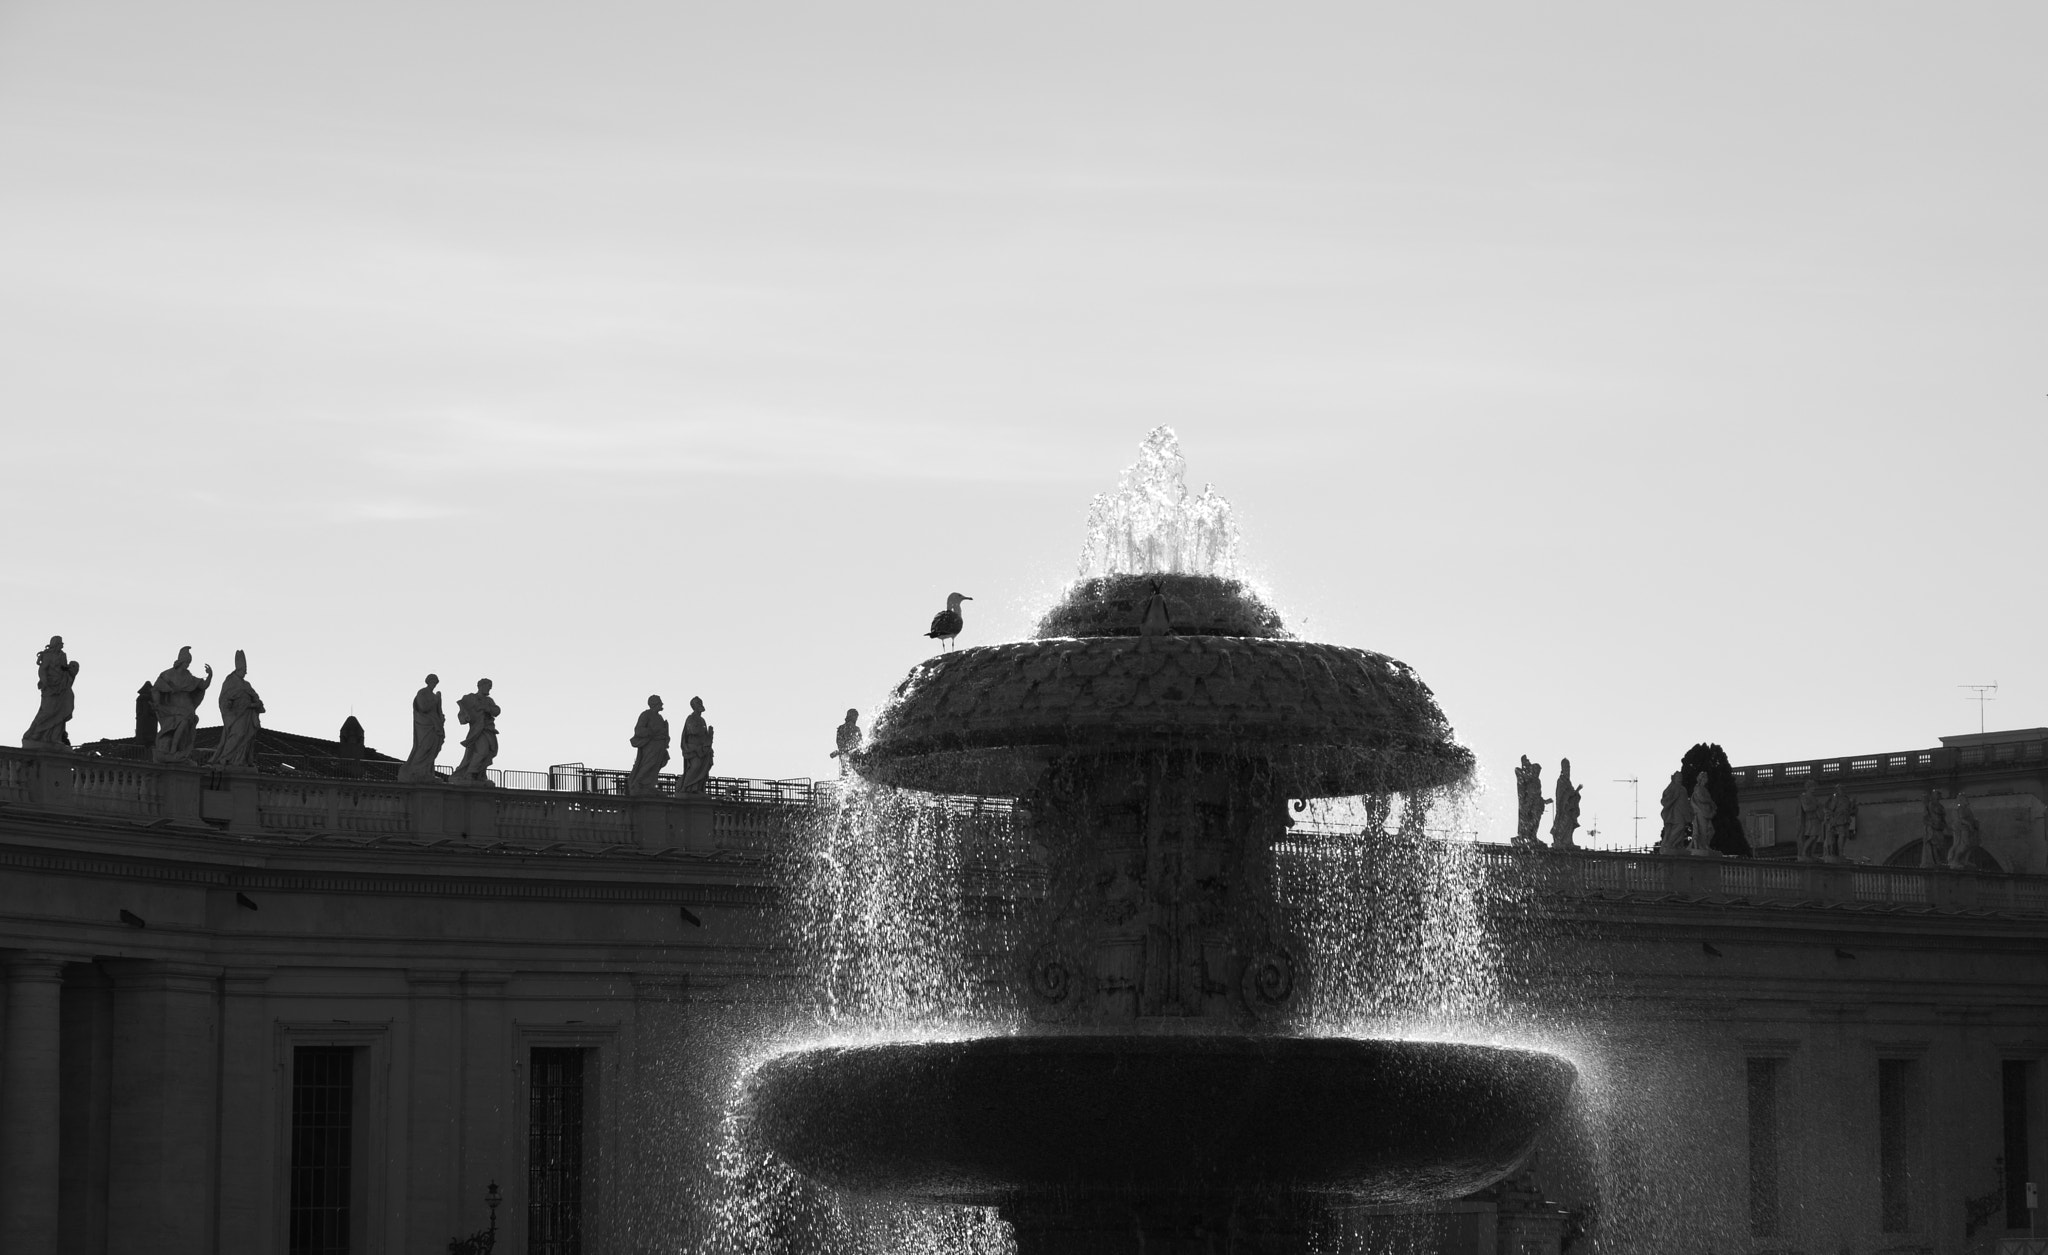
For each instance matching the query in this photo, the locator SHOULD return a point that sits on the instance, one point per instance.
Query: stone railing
(248, 804)
(1591, 873)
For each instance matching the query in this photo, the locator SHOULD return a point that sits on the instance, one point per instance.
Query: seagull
(946, 624)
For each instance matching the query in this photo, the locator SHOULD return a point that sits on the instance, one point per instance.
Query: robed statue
(1934, 847)
(1969, 835)
(1704, 808)
(429, 733)
(650, 745)
(55, 675)
(696, 749)
(847, 741)
(241, 712)
(1676, 806)
(1841, 823)
(1529, 801)
(176, 696)
(1566, 821)
(480, 715)
(1812, 823)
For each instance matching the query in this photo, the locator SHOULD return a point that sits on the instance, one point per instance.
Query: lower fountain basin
(992, 1120)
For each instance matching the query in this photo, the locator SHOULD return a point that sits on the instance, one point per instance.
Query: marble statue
(847, 740)
(429, 733)
(241, 717)
(1841, 824)
(175, 698)
(1703, 811)
(1934, 848)
(1529, 801)
(1968, 834)
(1812, 823)
(650, 745)
(1677, 813)
(480, 747)
(55, 675)
(696, 749)
(1566, 821)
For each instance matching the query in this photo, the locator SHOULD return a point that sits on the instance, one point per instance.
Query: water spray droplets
(1153, 524)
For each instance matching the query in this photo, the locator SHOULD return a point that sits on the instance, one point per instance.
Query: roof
(283, 752)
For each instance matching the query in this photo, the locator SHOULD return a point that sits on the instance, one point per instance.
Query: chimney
(351, 748)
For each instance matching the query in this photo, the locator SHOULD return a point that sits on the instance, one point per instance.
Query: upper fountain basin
(992, 1119)
(1325, 719)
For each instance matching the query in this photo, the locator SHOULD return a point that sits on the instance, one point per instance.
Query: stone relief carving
(697, 736)
(480, 713)
(650, 751)
(175, 698)
(429, 733)
(55, 675)
(241, 717)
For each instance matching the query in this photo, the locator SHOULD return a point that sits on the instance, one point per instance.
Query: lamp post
(483, 1241)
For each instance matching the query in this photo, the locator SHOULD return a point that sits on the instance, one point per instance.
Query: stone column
(29, 1106)
(162, 1178)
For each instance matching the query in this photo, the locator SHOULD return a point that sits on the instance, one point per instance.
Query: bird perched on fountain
(946, 624)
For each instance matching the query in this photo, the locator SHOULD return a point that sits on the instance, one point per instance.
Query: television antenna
(1981, 693)
(1636, 804)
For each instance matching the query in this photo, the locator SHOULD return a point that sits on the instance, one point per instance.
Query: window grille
(323, 1102)
(554, 1156)
(1763, 1146)
(2017, 1172)
(1899, 1133)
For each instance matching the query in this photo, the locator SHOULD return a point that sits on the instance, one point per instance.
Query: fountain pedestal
(1161, 1107)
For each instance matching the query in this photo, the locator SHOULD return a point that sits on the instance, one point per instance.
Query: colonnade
(109, 1073)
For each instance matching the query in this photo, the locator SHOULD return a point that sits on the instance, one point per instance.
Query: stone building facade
(257, 1014)
(2004, 775)
(276, 1013)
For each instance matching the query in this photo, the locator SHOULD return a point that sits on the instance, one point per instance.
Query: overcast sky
(1641, 374)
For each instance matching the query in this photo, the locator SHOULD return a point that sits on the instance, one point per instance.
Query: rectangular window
(1898, 1141)
(323, 1107)
(2017, 1170)
(1763, 829)
(1763, 1146)
(554, 1153)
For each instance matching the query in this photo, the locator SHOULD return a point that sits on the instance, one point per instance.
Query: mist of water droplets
(1397, 923)
(898, 920)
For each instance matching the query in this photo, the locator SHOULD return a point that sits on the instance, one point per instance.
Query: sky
(1640, 374)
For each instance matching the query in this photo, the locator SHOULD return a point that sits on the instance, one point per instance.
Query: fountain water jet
(1154, 734)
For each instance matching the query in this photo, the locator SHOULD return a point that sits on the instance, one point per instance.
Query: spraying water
(1152, 524)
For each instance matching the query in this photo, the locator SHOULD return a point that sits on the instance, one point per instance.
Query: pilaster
(29, 1105)
(250, 1115)
(434, 1121)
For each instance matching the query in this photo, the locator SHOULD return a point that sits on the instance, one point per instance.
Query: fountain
(1162, 1099)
